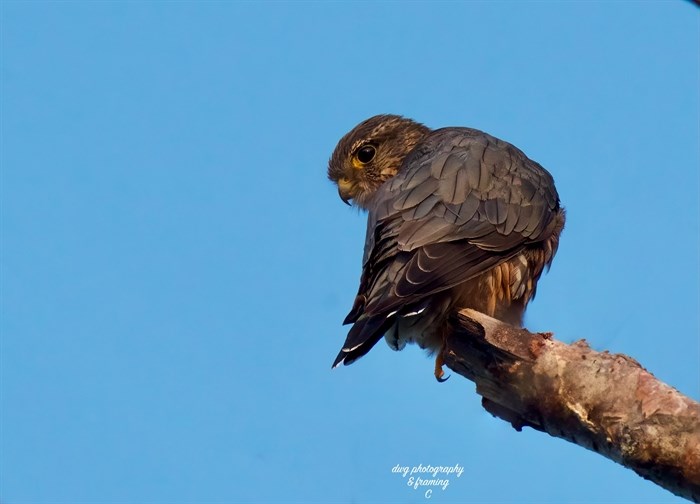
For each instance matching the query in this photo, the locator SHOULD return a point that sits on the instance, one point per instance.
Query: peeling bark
(605, 402)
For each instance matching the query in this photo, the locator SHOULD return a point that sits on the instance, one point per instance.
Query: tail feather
(363, 335)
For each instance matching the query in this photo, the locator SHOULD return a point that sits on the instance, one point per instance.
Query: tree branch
(605, 402)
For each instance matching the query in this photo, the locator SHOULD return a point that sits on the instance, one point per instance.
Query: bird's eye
(366, 154)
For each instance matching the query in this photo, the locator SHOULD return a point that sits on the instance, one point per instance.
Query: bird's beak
(344, 191)
(344, 197)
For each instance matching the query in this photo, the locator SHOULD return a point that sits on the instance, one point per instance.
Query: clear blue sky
(176, 267)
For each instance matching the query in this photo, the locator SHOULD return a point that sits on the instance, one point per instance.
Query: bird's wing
(462, 202)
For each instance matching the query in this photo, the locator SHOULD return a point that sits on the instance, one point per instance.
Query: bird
(456, 218)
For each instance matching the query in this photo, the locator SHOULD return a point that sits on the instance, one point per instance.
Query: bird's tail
(363, 335)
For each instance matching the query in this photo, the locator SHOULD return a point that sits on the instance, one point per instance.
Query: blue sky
(175, 265)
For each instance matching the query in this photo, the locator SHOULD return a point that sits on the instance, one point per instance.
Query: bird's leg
(440, 360)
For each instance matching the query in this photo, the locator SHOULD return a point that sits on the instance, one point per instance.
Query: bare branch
(605, 402)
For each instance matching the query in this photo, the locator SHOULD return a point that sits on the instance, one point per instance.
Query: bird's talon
(441, 379)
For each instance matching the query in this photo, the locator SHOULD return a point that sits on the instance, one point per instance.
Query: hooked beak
(344, 196)
(344, 192)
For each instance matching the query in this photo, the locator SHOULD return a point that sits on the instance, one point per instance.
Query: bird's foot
(439, 362)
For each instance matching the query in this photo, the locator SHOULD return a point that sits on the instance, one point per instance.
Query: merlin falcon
(456, 219)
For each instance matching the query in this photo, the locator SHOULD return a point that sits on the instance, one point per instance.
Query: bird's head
(372, 153)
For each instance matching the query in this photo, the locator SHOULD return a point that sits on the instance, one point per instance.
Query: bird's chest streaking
(457, 219)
